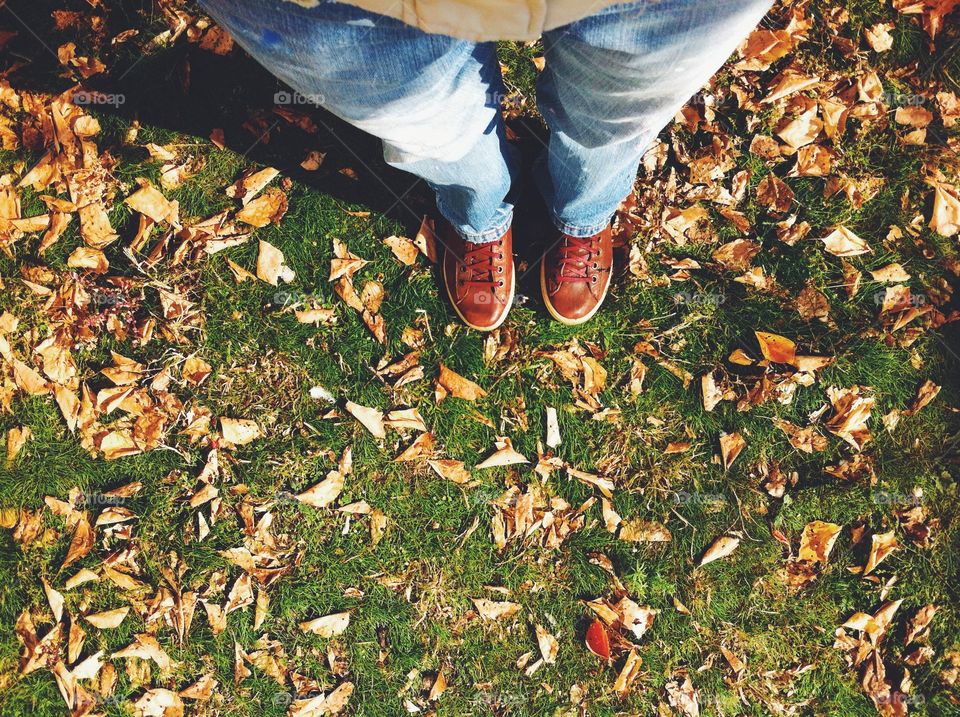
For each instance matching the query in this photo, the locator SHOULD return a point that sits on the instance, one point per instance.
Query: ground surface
(645, 488)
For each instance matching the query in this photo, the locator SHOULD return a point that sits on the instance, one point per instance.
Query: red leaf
(598, 642)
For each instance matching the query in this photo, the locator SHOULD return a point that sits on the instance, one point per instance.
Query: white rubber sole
(513, 292)
(563, 319)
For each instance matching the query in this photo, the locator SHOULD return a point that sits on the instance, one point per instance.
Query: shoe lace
(479, 263)
(576, 258)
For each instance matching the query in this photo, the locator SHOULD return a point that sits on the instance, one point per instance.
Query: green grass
(264, 364)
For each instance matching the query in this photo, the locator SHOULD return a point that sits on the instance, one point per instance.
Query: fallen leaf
(239, 431)
(149, 201)
(945, 218)
(817, 541)
(881, 545)
(325, 492)
(636, 530)
(491, 610)
(266, 209)
(107, 619)
(370, 418)
(271, 266)
(776, 348)
(327, 626)
(731, 445)
(720, 548)
(451, 470)
(843, 242)
(458, 386)
(548, 645)
(505, 455)
(597, 640)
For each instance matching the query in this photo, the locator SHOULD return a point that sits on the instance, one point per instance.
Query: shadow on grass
(189, 91)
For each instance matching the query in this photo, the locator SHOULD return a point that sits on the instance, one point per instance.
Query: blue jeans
(612, 81)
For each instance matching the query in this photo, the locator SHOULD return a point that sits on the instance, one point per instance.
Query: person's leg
(432, 99)
(612, 81)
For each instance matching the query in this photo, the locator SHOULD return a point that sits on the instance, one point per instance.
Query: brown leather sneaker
(479, 278)
(575, 276)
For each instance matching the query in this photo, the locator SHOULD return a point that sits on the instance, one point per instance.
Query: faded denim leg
(432, 99)
(612, 81)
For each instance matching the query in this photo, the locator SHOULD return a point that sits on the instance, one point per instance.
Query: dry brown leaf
(158, 702)
(925, 394)
(28, 379)
(420, 449)
(682, 696)
(917, 624)
(107, 619)
(945, 218)
(344, 264)
(458, 386)
(731, 445)
(266, 209)
(370, 418)
(636, 530)
(881, 545)
(203, 689)
(85, 257)
(548, 645)
(149, 201)
(334, 703)
(843, 242)
(806, 439)
(776, 348)
(239, 431)
(817, 541)
(891, 273)
(505, 455)
(271, 265)
(491, 610)
(628, 674)
(81, 544)
(453, 471)
(325, 492)
(403, 248)
(327, 626)
(851, 413)
(878, 36)
(720, 548)
(195, 370)
(250, 185)
(16, 439)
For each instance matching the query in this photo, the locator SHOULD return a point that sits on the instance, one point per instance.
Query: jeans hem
(579, 230)
(487, 235)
